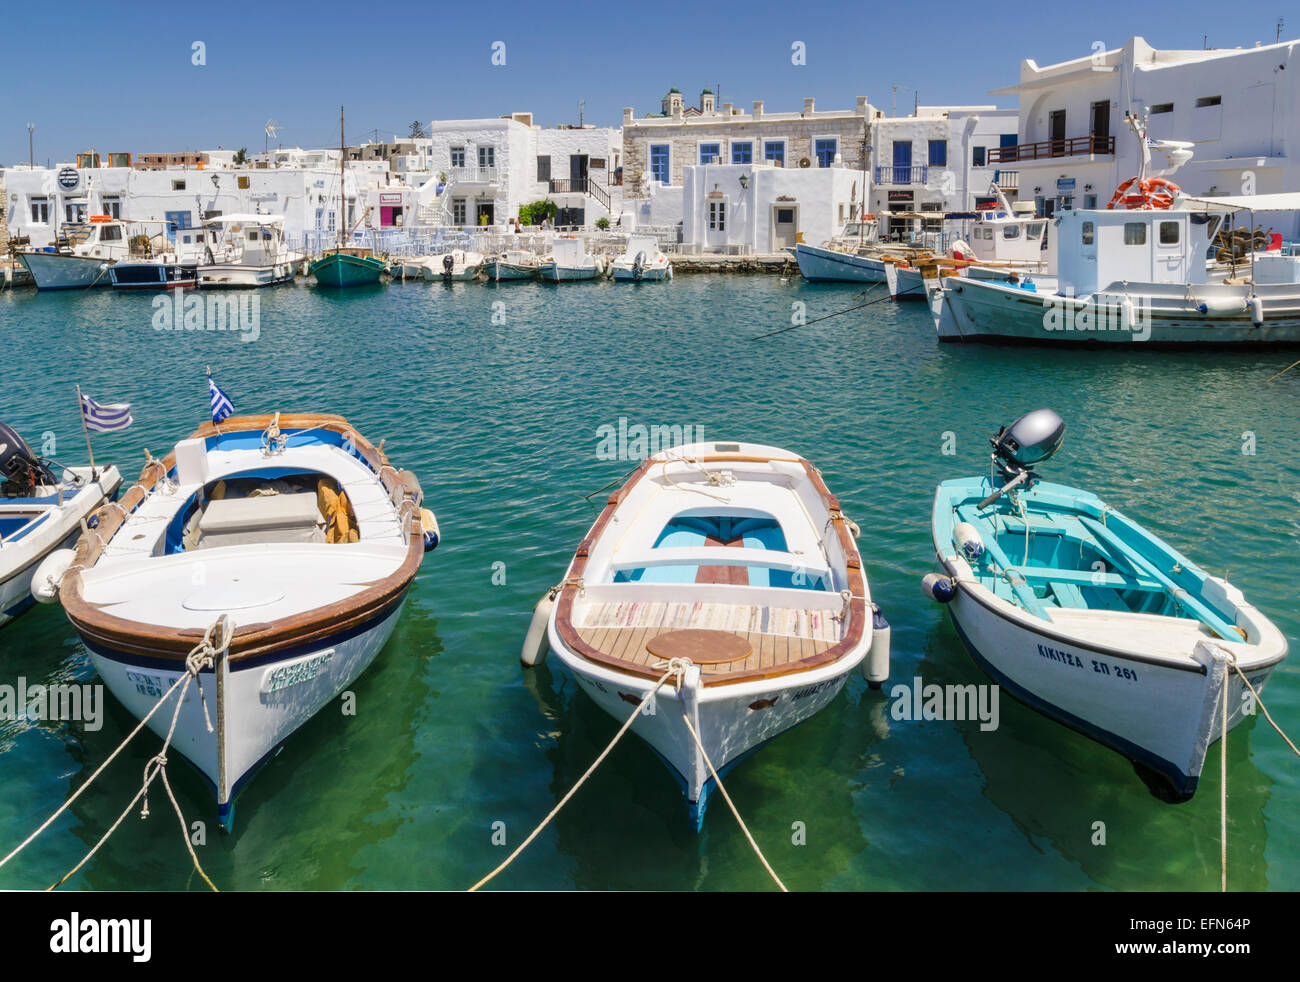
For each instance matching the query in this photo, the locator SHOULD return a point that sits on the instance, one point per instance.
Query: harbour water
(495, 397)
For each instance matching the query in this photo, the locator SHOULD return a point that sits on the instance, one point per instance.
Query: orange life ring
(1153, 193)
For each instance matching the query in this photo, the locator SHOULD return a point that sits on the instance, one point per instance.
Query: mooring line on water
(730, 804)
(1283, 372)
(837, 313)
(202, 655)
(676, 666)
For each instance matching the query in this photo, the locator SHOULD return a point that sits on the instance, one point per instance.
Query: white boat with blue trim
(1082, 614)
(42, 507)
(294, 531)
(732, 567)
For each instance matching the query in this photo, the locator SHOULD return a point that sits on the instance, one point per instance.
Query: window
(1010, 231)
(110, 233)
(1160, 108)
(785, 216)
(1088, 233)
(458, 211)
(717, 216)
(659, 162)
(487, 156)
(1009, 140)
(333, 220)
(938, 153)
(824, 151)
(710, 152)
(1135, 233)
(74, 212)
(742, 152)
(933, 224)
(1034, 230)
(1209, 100)
(977, 156)
(544, 168)
(458, 156)
(1067, 202)
(113, 207)
(1169, 233)
(1090, 202)
(40, 211)
(178, 185)
(774, 150)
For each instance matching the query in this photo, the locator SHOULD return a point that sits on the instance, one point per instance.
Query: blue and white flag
(221, 404)
(105, 419)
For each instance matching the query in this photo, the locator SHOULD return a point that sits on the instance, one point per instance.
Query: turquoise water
(499, 418)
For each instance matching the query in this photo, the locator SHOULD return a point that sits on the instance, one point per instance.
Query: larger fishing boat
(82, 256)
(245, 250)
(731, 568)
(1084, 615)
(345, 266)
(281, 547)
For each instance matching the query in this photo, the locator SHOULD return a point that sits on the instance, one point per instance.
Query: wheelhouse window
(110, 233)
(774, 150)
(709, 152)
(1135, 233)
(659, 160)
(1209, 100)
(825, 151)
(938, 153)
(1088, 233)
(1011, 231)
(742, 152)
(458, 156)
(1169, 233)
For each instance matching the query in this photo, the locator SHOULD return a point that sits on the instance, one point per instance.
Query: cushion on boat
(262, 518)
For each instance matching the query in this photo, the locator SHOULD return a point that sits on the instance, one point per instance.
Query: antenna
(272, 127)
(1280, 22)
(582, 104)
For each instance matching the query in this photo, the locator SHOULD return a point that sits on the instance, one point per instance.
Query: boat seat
(262, 518)
(1086, 577)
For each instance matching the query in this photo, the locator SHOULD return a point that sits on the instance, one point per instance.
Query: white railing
(472, 175)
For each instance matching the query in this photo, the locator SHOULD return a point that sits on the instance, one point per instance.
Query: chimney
(726, 109)
(627, 115)
(758, 108)
(807, 107)
(862, 105)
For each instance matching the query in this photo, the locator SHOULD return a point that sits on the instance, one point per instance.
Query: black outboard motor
(21, 471)
(448, 263)
(1029, 440)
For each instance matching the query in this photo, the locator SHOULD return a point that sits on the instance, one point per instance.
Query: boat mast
(338, 227)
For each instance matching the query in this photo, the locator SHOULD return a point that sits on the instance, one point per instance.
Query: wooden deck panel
(769, 650)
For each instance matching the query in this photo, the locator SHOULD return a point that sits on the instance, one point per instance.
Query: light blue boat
(1078, 611)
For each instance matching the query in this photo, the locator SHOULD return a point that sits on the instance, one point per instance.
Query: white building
(937, 160)
(1240, 106)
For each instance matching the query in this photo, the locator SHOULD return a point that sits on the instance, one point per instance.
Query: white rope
(726, 797)
(676, 666)
(201, 656)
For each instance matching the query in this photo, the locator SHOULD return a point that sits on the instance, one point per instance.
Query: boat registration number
(296, 672)
(146, 685)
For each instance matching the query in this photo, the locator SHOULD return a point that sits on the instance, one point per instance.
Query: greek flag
(105, 419)
(221, 404)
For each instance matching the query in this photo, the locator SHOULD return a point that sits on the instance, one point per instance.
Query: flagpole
(81, 410)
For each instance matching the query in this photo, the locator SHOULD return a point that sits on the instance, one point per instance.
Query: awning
(1283, 201)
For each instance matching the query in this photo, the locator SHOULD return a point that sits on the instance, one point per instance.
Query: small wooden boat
(735, 560)
(293, 528)
(515, 264)
(42, 506)
(152, 274)
(641, 260)
(570, 260)
(1082, 614)
(456, 266)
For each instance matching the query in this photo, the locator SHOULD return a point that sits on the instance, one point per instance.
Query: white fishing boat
(1082, 614)
(641, 260)
(849, 257)
(82, 258)
(42, 506)
(570, 260)
(514, 264)
(734, 564)
(455, 266)
(408, 268)
(294, 533)
(246, 250)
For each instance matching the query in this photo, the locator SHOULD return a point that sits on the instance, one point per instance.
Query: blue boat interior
(1066, 549)
(694, 529)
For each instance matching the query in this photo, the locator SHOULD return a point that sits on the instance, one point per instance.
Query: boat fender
(967, 538)
(429, 526)
(1257, 311)
(536, 645)
(939, 587)
(49, 575)
(875, 667)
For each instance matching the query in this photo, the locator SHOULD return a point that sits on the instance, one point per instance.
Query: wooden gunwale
(251, 640)
(857, 614)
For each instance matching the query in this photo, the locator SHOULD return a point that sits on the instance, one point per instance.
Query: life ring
(1151, 194)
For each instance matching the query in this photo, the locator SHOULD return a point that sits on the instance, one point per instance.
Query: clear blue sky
(118, 76)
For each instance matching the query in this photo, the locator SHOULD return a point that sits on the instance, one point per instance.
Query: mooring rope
(730, 804)
(675, 666)
(201, 656)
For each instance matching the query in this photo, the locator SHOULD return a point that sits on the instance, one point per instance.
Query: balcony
(902, 175)
(1074, 146)
(1008, 180)
(472, 175)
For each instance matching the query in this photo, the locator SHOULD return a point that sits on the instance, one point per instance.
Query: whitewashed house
(1240, 106)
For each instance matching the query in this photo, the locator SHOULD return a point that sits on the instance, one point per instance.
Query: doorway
(785, 226)
(1056, 131)
(485, 213)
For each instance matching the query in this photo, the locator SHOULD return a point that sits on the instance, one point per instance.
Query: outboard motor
(1030, 440)
(448, 262)
(21, 471)
(638, 265)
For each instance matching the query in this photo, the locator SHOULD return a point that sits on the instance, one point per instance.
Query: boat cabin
(1002, 237)
(1097, 248)
(253, 240)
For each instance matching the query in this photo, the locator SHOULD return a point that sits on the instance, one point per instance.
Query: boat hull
(151, 276)
(341, 270)
(52, 271)
(262, 703)
(237, 276)
(556, 273)
(626, 274)
(500, 272)
(829, 266)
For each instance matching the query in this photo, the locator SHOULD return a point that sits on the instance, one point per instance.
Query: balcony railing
(1008, 180)
(1065, 147)
(886, 174)
(472, 175)
(571, 186)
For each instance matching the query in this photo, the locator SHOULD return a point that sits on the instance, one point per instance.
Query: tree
(417, 130)
(535, 213)
(241, 155)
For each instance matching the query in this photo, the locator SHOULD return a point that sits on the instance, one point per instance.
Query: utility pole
(31, 156)
(582, 103)
(1279, 28)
